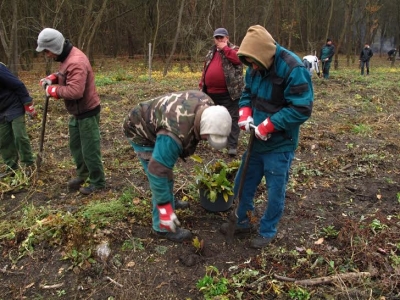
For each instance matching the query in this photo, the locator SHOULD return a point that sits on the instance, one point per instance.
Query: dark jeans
(233, 108)
(84, 143)
(366, 64)
(15, 143)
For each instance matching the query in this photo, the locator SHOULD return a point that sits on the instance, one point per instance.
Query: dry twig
(325, 279)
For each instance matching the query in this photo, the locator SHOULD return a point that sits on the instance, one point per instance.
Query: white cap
(50, 39)
(216, 122)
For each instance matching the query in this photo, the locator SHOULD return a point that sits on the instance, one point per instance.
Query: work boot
(224, 229)
(87, 190)
(260, 242)
(178, 237)
(75, 184)
(232, 152)
(179, 204)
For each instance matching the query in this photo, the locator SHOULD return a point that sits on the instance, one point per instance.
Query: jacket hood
(259, 45)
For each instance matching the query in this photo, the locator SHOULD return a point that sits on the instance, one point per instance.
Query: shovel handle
(46, 105)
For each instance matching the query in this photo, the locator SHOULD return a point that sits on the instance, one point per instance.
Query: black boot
(178, 237)
(75, 184)
(179, 204)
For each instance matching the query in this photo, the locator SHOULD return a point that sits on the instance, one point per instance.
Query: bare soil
(340, 178)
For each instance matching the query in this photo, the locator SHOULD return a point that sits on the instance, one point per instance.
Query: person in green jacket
(277, 98)
(325, 57)
(165, 128)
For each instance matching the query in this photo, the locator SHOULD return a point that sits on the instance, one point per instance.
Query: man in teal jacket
(278, 98)
(168, 127)
(325, 57)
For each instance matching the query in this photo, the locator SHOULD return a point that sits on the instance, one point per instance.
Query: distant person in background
(311, 63)
(365, 56)
(325, 57)
(222, 80)
(15, 102)
(392, 54)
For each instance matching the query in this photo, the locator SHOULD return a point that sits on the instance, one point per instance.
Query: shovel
(233, 216)
(39, 157)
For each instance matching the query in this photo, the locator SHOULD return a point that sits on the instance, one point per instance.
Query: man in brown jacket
(74, 82)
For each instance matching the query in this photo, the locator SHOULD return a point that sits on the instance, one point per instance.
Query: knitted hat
(216, 122)
(50, 39)
(221, 32)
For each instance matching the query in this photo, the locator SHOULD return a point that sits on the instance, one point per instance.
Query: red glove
(49, 80)
(168, 219)
(245, 118)
(51, 91)
(264, 130)
(30, 110)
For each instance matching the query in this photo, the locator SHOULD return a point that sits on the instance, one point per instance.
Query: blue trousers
(275, 168)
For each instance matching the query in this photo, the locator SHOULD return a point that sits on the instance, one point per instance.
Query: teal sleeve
(166, 153)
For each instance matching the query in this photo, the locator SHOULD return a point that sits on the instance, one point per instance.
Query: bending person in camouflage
(168, 127)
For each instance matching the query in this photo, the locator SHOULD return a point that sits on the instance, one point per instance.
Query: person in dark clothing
(15, 102)
(392, 54)
(365, 56)
(325, 57)
(222, 80)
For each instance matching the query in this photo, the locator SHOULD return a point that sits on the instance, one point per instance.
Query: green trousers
(84, 143)
(15, 143)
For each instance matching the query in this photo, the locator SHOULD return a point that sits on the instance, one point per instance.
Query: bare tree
(178, 30)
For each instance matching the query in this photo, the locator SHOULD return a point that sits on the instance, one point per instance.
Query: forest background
(183, 29)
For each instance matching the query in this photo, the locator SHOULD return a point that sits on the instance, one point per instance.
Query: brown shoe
(75, 184)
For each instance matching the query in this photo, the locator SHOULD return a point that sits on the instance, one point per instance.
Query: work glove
(30, 110)
(168, 219)
(49, 80)
(51, 91)
(245, 118)
(264, 130)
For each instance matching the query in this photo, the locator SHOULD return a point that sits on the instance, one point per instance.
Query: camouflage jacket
(174, 114)
(233, 73)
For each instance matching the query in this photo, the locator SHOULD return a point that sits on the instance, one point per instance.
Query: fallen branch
(325, 279)
(48, 287)
(113, 281)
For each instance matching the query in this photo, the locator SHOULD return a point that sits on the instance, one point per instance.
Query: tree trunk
(178, 30)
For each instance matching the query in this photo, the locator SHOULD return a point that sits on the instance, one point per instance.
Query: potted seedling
(214, 180)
